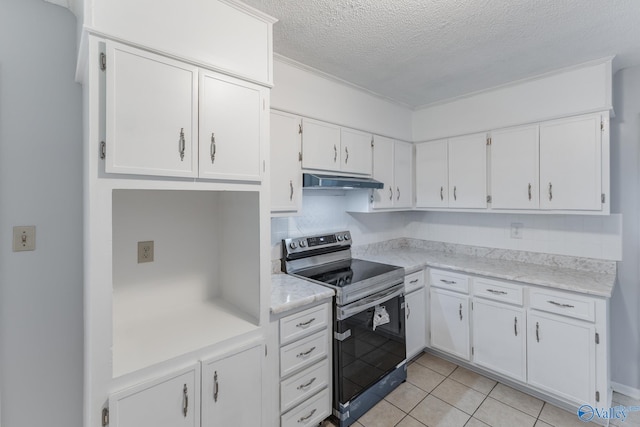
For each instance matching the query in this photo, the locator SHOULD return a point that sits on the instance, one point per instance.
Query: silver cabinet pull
(346, 152)
(537, 332)
(455, 196)
(306, 353)
(408, 309)
(529, 191)
(303, 419)
(460, 311)
(441, 193)
(305, 324)
(515, 326)
(301, 386)
(448, 282)
(216, 386)
(560, 304)
(550, 192)
(291, 186)
(181, 144)
(390, 193)
(185, 400)
(213, 147)
(493, 291)
(335, 153)
(398, 191)
(414, 281)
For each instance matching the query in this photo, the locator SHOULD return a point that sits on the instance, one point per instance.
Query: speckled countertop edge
(289, 293)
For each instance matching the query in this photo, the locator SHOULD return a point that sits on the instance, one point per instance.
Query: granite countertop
(560, 277)
(289, 292)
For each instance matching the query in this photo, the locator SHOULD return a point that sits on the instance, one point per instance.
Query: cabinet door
(286, 174)
(499, 342)
(320, 145)
(468, 171)
(403, 174)
(432, 190)
(416, 322)
(383, 171)
(151, 114)
(514, 168)
(450, 322)
(232, 390)
(171, 401)
(230, 128)
(561, 356)
(356, 151)
(570, 164)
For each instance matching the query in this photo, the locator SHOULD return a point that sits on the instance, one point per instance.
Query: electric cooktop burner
(343, 273)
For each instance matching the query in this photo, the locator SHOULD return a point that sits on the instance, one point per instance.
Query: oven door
(362, 354)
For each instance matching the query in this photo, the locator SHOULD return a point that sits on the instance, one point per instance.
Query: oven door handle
(371, 301)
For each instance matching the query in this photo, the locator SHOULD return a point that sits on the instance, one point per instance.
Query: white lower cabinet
(416, 313)
(450, 322)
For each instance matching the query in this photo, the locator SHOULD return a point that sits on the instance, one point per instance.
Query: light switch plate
(145, 251)
(24, 238)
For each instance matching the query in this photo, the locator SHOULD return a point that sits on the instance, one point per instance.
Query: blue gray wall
(41, 321)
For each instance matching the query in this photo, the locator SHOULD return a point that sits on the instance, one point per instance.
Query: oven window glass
(368, 355)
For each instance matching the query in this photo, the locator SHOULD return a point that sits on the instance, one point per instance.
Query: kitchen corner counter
(289, 293)
(559, 277)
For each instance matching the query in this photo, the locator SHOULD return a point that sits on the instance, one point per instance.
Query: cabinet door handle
(460, 311)
(181, 144)
(493, 291)
(455, 196)
(529, 191)
(550, 192)
(335, 153)
(408, 309)
(441, 193)
(301, 386)
(305, 324)
(346, 157)
(537, 332)
(398, 191)
(448, 282)
(291, 186)
(390, 193)
(303, 419)
(515, 326)
(560, 304)
(306, 353)
(216, 386)
(185, 400)
(213, 147)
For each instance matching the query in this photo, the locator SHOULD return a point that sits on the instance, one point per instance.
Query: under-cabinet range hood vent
(338, 182)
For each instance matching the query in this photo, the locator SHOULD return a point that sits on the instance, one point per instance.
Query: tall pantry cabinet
(176, 223)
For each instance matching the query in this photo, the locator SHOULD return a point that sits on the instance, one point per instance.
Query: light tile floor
(439, 393)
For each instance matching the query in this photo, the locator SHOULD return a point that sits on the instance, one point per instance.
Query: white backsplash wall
(576, 235)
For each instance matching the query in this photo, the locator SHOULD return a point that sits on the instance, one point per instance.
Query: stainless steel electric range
(369, 353)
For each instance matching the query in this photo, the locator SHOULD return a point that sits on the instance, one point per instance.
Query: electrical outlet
(145, 251)
(516, 230)
(24, 238)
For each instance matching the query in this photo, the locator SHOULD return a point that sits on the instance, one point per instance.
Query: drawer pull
(414, 281)
(301, 386)
(493, 291)
(305, 324)
(448, 282)
(303, 419)
(306, 353)
(560, 304)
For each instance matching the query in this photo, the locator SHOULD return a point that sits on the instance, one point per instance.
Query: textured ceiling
(419, 52)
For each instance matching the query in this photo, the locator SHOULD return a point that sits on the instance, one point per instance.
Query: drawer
(303, 323)
(577, 306)
(304, 385)
(302, 353)
(448, 280)
(497, 290)
(413, 281)
(309, 413)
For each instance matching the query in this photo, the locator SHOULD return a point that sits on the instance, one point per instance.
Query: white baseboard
(633, 393)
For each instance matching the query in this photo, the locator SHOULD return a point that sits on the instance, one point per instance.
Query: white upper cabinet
(286, 151)
(403, 174)
(332, 148)
(226, 35)
(151, 110)
(392, 166)
(571, 163)
(468, 171)
(514, 168)
(230, 128)
(432, 179)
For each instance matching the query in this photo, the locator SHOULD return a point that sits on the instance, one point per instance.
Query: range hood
(312, 180)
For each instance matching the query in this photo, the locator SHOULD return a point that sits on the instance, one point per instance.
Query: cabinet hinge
(488, 141)
(372, 141)
(300, 129)
(601, 125)
(488, 199)
(597, 396)
(597, 338)
(105, 417)
(265, 351)
(472, 351)
(103, 61)
(103, 150)
(602, 198)
(299, 156)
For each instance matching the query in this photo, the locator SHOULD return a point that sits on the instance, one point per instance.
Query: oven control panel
(300, 245)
